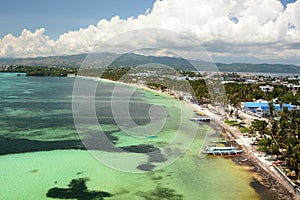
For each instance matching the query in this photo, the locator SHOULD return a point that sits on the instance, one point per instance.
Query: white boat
(222, 150)
(201, 118)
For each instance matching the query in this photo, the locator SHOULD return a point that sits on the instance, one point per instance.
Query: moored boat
(201, 118)
(222, 150)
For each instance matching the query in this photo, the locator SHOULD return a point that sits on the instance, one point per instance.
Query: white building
(266, 88)
(295, 88)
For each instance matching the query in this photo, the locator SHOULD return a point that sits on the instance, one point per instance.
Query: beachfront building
(260, 108)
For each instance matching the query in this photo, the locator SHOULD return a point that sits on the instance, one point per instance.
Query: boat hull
(222, 151)
(236, 152)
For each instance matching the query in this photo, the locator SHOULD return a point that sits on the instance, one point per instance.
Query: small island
(39, 71)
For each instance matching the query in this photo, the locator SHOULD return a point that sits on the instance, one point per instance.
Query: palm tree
(261, 127)
(271, 110)
(288, 139)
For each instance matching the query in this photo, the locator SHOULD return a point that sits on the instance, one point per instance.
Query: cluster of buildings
(260, 108)
(293, 83)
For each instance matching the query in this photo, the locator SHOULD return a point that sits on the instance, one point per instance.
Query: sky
(255, 31)
(58, 16)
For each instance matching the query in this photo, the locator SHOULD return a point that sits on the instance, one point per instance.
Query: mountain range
(131, 59)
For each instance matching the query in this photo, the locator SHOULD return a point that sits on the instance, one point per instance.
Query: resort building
(261, 108)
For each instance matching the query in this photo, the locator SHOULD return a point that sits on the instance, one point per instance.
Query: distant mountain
(136, 60)
(67, 61)
(264, 67)
(130, 59)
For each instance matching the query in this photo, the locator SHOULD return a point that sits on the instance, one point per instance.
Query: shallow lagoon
(36, 112)
(31, 175)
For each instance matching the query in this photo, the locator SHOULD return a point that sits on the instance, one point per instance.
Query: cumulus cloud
(27, 44)
(260, 29)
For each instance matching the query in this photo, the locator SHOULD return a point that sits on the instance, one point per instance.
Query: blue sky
(257, 31)
(60, 16)
(285, 2)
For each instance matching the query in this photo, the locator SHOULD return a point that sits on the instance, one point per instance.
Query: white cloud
(27, 44)
(264, 29)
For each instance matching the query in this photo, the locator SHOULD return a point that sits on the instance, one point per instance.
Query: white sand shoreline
(143, 87)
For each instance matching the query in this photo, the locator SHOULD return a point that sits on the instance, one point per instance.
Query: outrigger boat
(222, 150)
(201, 118)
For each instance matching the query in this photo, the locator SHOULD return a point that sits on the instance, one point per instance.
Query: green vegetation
(201, 91)
(281, 138)
(190, 73)
(231, 122)
(40, 71)
(111, 73)
(244, 129)
(241, 92)
(133, 60)
(156, 86)
(276, 137)
(114, 74)
(239, 125)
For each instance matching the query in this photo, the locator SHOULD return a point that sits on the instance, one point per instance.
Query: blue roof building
(264, 106)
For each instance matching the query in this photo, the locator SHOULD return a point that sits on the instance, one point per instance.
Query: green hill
(130, 59)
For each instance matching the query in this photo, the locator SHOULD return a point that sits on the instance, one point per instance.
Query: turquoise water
(40, 148)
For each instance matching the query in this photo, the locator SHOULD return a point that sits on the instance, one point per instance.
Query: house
(266, 88)
(295, 88)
